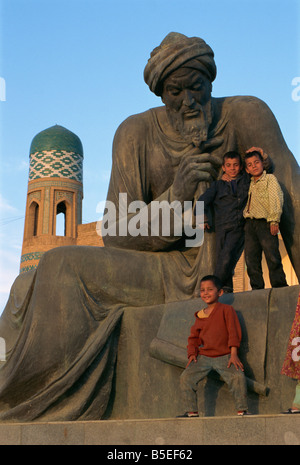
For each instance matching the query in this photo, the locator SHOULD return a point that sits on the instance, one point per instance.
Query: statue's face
(185, 91)
(187, 96)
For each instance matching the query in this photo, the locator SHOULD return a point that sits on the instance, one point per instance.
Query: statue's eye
(174, 91)
(197, 87)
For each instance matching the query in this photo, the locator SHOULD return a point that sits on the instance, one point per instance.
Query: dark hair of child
(252, 154)
(214, 279)
(232, 155)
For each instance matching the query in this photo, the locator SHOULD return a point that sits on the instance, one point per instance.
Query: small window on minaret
(61, 219)
(36, 220)
(33, 219)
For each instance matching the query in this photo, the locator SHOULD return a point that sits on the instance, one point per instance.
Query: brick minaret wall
(55, 187)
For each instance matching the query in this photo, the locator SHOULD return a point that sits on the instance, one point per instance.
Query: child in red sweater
(213, 345)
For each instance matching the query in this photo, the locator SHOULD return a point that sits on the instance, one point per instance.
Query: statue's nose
(188, 98)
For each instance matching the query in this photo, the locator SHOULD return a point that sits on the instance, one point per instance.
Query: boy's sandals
(242, 413)
(188, 415)
(292, 411)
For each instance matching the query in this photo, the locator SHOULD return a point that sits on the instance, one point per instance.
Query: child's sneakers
(188, 415)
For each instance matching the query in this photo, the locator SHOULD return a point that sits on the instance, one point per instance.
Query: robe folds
(62, 320)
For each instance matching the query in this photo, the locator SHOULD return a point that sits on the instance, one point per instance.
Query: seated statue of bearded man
(61, 321)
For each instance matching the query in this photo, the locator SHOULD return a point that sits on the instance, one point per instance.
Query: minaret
(55, 190)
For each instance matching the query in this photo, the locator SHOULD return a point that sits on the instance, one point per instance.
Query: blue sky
(79, 63)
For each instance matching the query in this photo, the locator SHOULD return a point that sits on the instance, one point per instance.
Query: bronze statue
(61, 322)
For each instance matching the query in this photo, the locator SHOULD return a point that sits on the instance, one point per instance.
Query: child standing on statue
(262, 213)
(213, 345)
(228, 196)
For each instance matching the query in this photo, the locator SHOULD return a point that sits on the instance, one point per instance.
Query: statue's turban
(176, 51)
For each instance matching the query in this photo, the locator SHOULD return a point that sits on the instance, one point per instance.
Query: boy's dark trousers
(229, 248)
(258, 239)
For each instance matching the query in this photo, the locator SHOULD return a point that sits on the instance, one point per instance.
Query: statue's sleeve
(130, 219)
(257, 126)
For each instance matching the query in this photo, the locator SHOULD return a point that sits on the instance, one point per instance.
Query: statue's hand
(194, 168)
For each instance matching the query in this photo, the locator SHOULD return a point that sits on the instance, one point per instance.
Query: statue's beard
(194, 130)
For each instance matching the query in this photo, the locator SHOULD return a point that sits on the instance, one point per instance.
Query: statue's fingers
(207, 167)
(213, 142)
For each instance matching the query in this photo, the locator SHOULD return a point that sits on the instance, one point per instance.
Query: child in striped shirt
(262, 212)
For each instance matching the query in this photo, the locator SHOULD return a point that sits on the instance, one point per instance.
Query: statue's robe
(61, 321)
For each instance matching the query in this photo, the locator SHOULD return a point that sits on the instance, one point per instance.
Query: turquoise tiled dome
(56, 152)
(57, 137)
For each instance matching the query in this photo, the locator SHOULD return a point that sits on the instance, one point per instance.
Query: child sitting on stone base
(213, 344)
